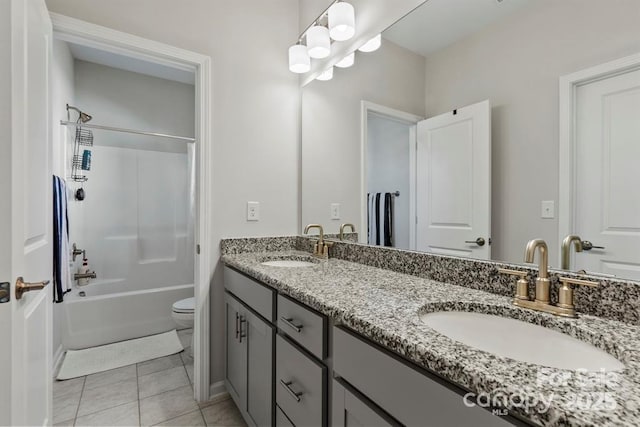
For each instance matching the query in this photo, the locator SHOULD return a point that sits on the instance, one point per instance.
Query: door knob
(479, 241)
(22, 286)
(587, 246)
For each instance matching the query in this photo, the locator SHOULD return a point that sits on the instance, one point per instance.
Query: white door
(26, 350)
(453, 191)
(607, 205)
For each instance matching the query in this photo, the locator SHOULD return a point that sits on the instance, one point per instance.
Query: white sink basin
(288, 263)
(520, 341)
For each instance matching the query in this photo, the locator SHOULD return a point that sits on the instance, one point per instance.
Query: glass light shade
(299, 61)
(347, 61)
(326, 74)
(372, 44)
(342, 21)
(318, 42)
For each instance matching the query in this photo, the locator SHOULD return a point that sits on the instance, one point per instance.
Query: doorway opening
(388, 176)
(163, 171)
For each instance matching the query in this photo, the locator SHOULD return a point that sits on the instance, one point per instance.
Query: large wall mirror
(481, 124)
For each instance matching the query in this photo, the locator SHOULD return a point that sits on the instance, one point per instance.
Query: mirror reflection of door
(454, 182)
(607, 204)
(390, 177)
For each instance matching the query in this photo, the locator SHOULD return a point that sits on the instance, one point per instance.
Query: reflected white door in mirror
(605, 146)
(454, 182)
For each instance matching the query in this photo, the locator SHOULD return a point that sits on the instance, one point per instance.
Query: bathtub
(111, 312)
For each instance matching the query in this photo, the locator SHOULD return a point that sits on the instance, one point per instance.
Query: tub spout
(90, 275)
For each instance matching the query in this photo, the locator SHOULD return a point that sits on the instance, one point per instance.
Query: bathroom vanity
(300, 363)
(343, 343)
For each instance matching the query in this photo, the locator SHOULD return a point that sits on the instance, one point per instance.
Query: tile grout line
(75, 417)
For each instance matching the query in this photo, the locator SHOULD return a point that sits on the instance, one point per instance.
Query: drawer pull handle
(289, 323)
(287, 386)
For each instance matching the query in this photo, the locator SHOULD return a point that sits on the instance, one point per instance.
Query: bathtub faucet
(90, 275)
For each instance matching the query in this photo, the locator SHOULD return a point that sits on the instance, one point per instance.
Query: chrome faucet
(321, 248)
(542, 281)
(565, 306)
(566, 249)
(343, 226)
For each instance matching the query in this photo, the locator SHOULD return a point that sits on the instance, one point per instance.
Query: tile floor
(156, 392)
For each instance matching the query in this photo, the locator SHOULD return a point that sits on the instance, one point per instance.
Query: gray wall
(517, 63)
(255, 104)
(331, 125)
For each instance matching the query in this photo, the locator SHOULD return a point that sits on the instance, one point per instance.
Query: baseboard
(57, 360)
(217, 390)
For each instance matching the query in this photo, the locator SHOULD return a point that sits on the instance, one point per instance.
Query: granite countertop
(384, 306)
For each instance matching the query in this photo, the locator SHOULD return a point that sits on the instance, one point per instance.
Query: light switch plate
(548, 209)
(335, 210)
(253, 211)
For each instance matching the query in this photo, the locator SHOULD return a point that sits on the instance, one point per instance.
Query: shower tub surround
(361, 287)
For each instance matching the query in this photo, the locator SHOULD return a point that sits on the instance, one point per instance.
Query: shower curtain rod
(137, 132)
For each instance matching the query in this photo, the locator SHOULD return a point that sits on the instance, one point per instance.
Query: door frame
(95, 36)
(412, 120)
(568, 86)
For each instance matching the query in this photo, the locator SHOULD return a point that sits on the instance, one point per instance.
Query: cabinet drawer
(349, 409)
(300, 385)
(281, 419)
(304, 326)
(256, 295)
(409, 395)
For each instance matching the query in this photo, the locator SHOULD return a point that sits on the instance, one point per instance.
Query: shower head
(83, 117)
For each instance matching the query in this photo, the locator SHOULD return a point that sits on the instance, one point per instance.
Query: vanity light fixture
(342, 21)
(326, 75)
(299, 61)
(318, 42)
(372, 44)
(337, 22)
(347, 61)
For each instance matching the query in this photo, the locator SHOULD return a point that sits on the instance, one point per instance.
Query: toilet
(182, 313)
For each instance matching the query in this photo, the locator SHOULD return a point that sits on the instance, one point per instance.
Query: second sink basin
(521, 341)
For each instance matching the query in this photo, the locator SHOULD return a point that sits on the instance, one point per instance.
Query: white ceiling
(439, 23)
(128, 63)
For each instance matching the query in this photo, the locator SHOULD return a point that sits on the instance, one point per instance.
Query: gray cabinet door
(259, 338)
(351, 411)
(236, 367)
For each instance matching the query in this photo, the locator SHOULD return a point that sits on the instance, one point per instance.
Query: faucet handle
(522, 285)
(565, 294)
(566, 281)
(512, 272)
